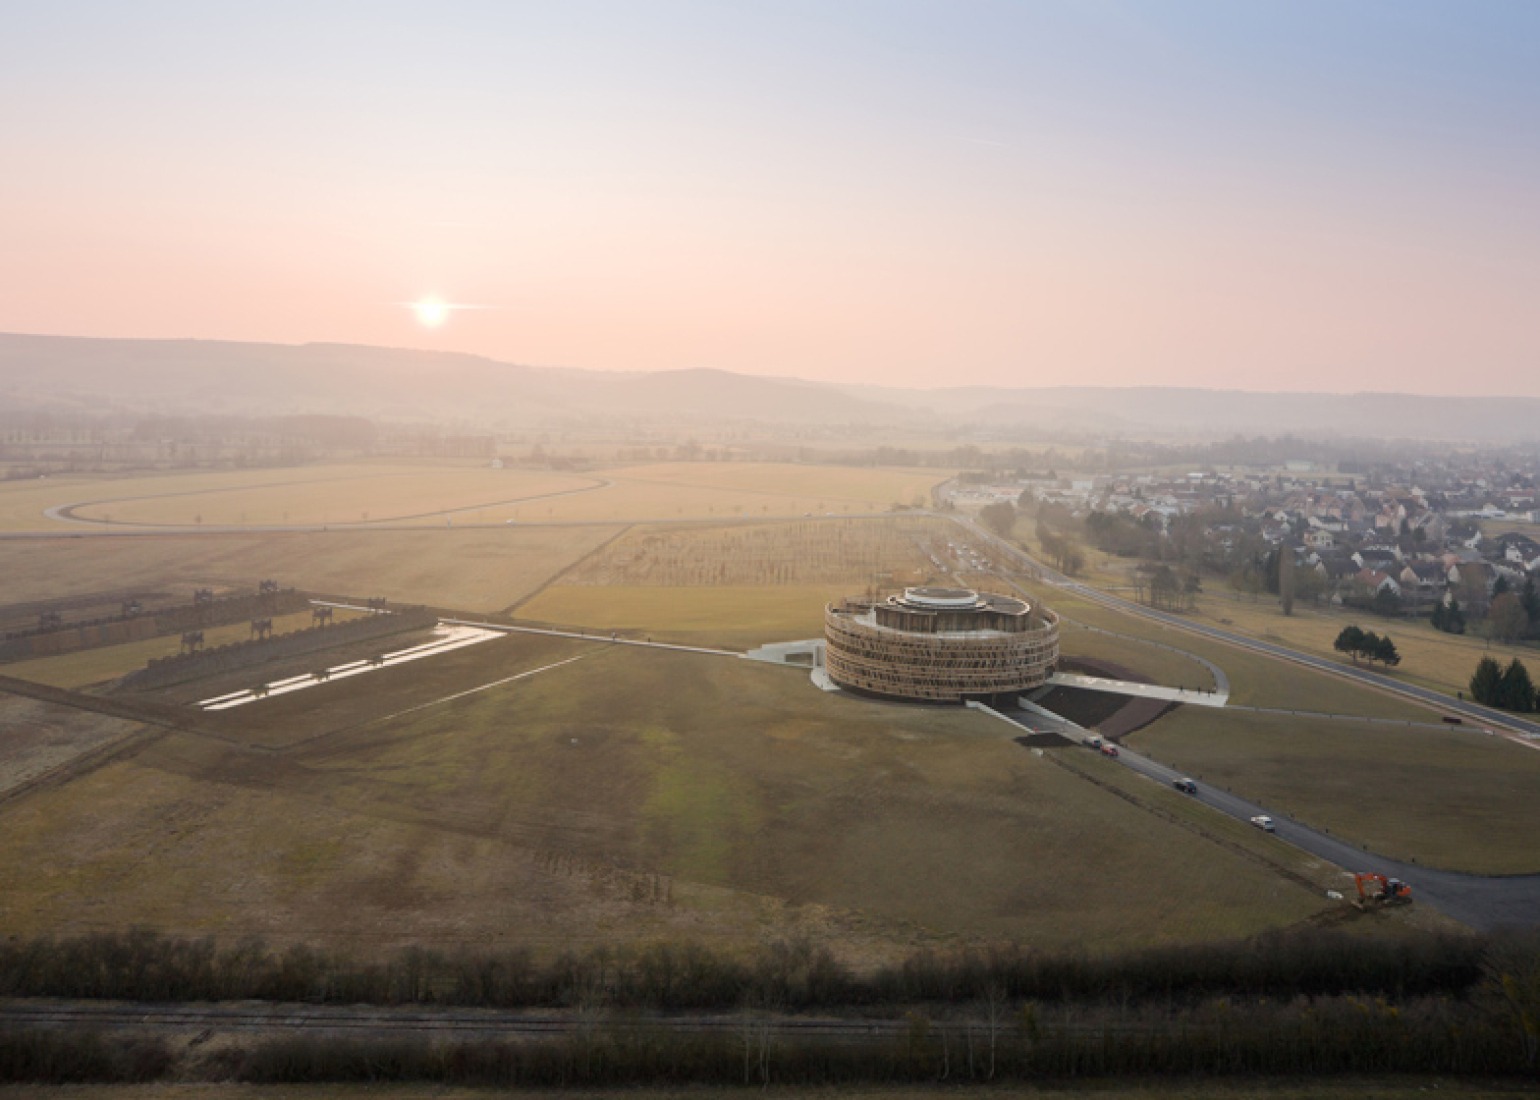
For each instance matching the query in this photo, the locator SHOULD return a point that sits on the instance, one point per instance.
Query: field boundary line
(564, 570)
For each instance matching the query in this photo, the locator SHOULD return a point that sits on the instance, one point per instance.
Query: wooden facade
(940, 645)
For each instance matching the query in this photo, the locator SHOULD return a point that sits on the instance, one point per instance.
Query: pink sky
(922, 194)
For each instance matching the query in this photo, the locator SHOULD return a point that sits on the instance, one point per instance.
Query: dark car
(1186, 786)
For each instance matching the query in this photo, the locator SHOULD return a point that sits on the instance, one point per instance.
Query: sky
(1328, 195)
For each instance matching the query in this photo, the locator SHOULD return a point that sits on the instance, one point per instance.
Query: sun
(431, 312)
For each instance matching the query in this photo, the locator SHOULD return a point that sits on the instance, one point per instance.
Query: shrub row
(795, 975)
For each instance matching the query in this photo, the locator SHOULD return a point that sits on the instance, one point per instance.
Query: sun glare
(431, 312)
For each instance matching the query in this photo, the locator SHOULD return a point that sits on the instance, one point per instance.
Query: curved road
(1484, 902)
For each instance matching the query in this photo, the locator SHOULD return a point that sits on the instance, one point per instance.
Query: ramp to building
(1191, 696)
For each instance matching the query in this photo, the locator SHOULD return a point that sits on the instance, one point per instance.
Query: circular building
(939, 645)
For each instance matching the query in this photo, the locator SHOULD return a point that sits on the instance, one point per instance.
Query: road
(1483, 902)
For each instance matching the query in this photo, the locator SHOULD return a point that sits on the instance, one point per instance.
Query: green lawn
(1448, 798)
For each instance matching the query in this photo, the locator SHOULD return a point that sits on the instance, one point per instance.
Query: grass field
(1448, 798)
(1429, 657)
(1155, 663)
(726, 616)
(1255, 680)
(894, 550)
(95, 666)
(477, 570)
(631, 795)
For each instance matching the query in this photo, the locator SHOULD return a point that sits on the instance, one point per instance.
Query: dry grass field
(894, 550)
(1448, 798)
(37, 737)
(436, 493)
(734, 490)
(727, 617)
(1429, 657)
(351, 494)
(477, 570)
(628, 795)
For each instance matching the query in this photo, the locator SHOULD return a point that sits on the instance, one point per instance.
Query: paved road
(1484, 902)
(1480, 901)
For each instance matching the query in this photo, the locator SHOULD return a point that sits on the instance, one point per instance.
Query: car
(1263, 822)
(1094, 741)
(1185, 785)
(1109, 750)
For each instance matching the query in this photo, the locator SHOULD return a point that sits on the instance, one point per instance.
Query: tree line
(1366, 644)
(1508, 688)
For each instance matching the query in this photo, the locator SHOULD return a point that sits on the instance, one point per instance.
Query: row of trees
(1505, 688)
(1366, 644)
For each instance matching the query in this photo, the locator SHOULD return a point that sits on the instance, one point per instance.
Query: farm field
(1455, 799)
(95, 666)
(629, 795)
(477, 570)
(737, 585)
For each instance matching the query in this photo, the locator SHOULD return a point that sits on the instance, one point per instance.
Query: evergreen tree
(1486, 683)
(1499, 586)
(1529, 599)
(1385, 652)
(1440, 617)
(1350, 641)
(1516, 690)
(1454, 618)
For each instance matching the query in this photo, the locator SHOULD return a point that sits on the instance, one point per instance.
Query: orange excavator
(1377, 890)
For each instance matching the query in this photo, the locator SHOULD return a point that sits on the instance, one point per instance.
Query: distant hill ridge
(227, 377)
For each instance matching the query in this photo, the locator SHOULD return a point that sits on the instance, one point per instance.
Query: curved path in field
(66, 513)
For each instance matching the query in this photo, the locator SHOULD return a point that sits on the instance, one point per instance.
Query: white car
(1263, 822)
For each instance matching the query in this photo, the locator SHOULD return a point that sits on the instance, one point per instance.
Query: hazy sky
(1265, 195)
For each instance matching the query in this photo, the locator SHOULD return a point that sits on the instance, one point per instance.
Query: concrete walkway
(1144, 691)
(593, 636)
